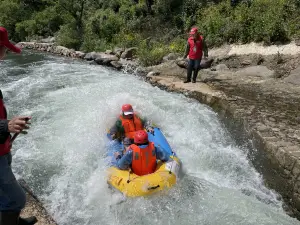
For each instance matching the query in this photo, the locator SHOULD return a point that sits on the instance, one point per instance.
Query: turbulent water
(62, 157)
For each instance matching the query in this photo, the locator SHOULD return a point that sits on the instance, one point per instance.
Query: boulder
(118, 51)
(171, 56)
(109, 52)
(221, 67)
(116, 65)
(206, 63)
(90, 56)
(182, 63)
(128, 53)
(79, 54)
(294, 77)
(256, 71)
(153, 73)
(61, 50)
(48, 40)
(104, 59)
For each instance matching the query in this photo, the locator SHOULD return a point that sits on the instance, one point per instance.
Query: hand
(18, 124)
(205, 57)
(126, 149)
(150, 129)
(117, 154)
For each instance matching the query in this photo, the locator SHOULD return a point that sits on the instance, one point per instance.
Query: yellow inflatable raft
(132, 185)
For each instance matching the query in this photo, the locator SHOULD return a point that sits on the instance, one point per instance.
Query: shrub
(151, 54)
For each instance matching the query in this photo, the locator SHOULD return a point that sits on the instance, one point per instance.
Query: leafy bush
(151, 54)
(44, 23)
(68, 36)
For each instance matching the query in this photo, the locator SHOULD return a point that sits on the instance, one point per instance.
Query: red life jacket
(196, 47)
(143, 159)
(131, 125)
(5, 147)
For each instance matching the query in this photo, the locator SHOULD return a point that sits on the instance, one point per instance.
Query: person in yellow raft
(127, 124)
(141, 156)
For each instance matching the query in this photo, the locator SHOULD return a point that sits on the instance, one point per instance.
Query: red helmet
(140, 137)
(194, 30)
(127, 109)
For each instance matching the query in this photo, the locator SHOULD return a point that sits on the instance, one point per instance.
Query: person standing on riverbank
(195, 47)
(12, 196)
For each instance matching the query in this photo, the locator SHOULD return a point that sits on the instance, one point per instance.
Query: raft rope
(128, 180)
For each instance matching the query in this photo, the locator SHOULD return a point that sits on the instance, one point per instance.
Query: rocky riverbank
(257, 87)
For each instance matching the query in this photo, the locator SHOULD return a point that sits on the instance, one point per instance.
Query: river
(73, 103)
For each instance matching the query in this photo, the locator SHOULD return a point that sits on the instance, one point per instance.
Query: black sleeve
(3, 131)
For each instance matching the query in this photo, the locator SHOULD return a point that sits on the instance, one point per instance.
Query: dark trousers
(12, 196)
(193, 65)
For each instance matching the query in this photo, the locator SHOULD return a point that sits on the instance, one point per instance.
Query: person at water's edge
(195, 47)
(12, 196)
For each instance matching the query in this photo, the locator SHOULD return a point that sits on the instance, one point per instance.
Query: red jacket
(196, 48)
(6, 145)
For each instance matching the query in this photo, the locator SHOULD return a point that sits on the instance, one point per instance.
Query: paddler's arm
(161, 155)
(147, 125)
(117, 129)
(125, 161)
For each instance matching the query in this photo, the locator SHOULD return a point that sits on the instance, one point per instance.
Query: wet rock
(92, 63)
(153, 73)
(90, 56)
(48, 40)
(294, 77)
(116, 65)
(171, 56)
(206, 63)
(105, 59)
(221, 67)
(246, 62)
(256, 71)
(61, 50)
(142, 71)
(109, 52)
(118, 51)
(79, 54)
(182, 63)
(129, 53)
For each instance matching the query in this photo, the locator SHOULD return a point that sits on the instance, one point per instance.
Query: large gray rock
(105, 59)
(109, 52)
(171, 56)
(48, 40)
(256, 71)
(221, 67)
(61, 50)
(206, 63)
(116, 65)
(79, 54)
(294, 77)
(90, 56)
(182, 63)
(128, 53)
(118, 51)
